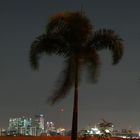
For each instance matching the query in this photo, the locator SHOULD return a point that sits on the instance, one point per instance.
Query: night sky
(23, 92)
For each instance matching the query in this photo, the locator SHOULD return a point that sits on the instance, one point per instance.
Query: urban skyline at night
(39, 126)
(115, 97)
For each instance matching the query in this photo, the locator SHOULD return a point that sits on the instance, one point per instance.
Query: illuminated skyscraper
(20, 126)
(39, 124)
(27, 126)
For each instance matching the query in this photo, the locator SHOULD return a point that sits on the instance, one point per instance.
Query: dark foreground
(54, 138)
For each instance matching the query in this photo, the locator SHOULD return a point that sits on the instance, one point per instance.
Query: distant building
(28, 127)
(33, 131)
(19, 126)
(39, 124)
(2, 132)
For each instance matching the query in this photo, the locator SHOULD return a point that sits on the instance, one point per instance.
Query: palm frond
(93, 65)
(57, 23)
(107, 39)
(37, 47)
(64, 83)
(73, 26)
(49, 45)
(57, 45)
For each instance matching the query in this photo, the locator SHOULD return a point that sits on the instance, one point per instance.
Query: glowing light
(61, 110)
(107, 131)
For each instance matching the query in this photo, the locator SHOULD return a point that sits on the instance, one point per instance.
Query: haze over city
(23, 92)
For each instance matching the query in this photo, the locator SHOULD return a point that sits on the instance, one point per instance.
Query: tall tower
(39, 123)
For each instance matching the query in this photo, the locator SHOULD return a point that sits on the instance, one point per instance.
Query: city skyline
(38, 126)
(24, 92)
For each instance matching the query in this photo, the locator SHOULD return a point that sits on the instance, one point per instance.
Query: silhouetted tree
(70, 34)
(106, 128)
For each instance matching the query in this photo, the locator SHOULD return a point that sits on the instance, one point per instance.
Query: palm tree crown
(70, 34)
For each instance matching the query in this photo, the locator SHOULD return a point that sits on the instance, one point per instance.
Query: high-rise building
(20, 126)
(27, 126)
(33, 131)
(39, 124)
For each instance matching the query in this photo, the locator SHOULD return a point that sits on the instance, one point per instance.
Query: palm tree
(106, 128)
(70, 34)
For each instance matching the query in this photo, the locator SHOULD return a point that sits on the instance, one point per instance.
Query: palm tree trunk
(75, 105)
